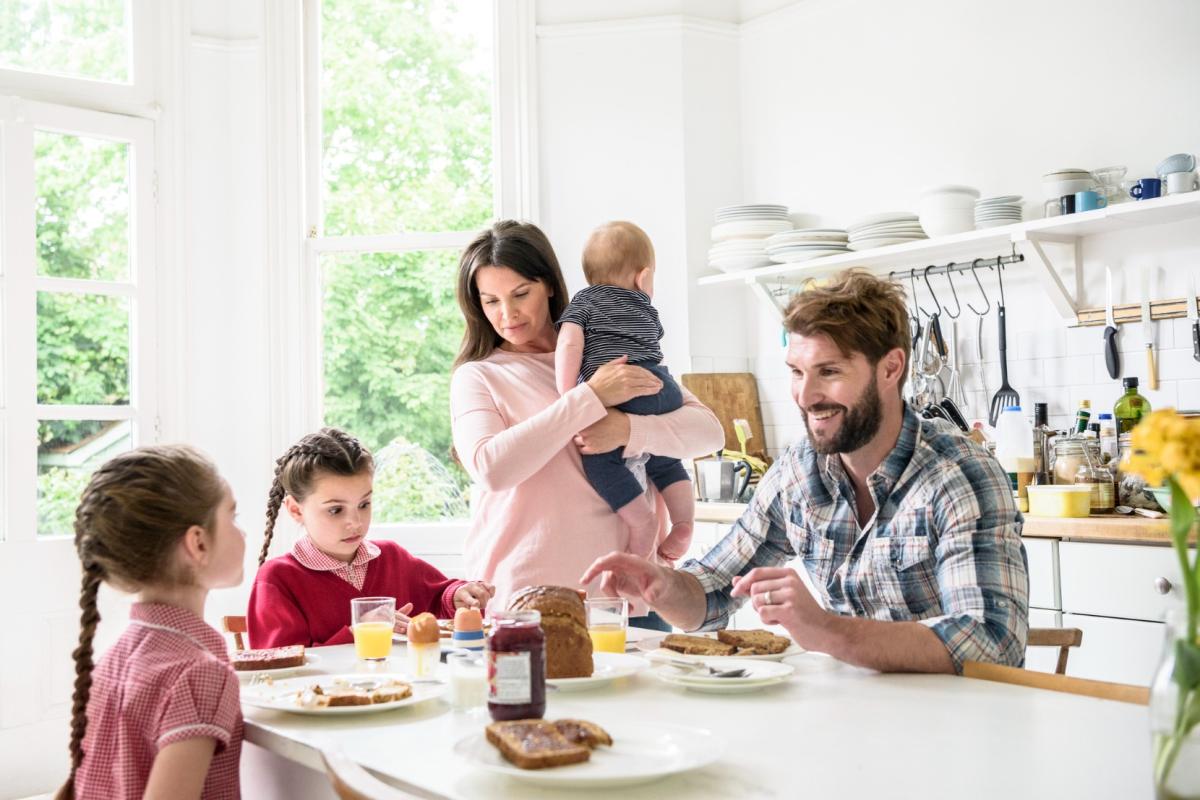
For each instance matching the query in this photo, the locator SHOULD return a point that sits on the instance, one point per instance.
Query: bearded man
(908, 530)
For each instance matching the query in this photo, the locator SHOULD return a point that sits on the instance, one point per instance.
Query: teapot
(717, 479)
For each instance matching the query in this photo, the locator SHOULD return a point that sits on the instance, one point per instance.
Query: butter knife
(1194, 316)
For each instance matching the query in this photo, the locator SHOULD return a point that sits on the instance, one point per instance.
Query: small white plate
(606, 668)
(869, 244)
(640, 753)
(246, 675)
(654, 645)
(760, 675)
(815, 664)
(282, 695)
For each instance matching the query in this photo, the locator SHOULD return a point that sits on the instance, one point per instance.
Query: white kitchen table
(847, 733)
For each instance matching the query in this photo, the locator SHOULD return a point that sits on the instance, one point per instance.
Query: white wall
(851, 107)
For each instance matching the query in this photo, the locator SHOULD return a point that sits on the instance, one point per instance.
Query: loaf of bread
(754, 642)
(345, 694)
(538, 743)
(697, 645)
(564, 621)
(269, 658)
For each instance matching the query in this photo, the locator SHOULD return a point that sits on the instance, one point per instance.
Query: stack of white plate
(880, 230)
(996, 211)
(750, 221)
(806, 243)
(738, 254)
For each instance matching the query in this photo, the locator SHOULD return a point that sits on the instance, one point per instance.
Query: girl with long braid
(324, 482)
(159, 716)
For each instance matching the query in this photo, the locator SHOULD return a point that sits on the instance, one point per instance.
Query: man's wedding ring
(767, 598)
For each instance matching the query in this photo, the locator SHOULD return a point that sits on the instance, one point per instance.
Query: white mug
(1180, 182)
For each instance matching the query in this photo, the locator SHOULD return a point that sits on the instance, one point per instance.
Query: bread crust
(534, 744)
(268, 658)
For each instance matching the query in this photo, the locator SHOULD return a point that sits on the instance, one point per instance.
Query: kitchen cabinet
(1119, 580)
(1119, 650)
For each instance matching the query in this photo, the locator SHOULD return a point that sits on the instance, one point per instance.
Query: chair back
(1062, 638)
(236, 626)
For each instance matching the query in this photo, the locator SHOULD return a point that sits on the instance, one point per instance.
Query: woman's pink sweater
(535, 519)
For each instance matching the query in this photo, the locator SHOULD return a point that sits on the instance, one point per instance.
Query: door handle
(1162, 585)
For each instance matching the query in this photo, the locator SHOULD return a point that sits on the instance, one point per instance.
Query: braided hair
(134, 511)
(329, 451)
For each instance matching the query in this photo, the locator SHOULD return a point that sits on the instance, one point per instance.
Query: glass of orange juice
(608, 617)
(371, 621)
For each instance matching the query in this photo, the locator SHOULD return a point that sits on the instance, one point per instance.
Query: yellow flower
(1165, 443)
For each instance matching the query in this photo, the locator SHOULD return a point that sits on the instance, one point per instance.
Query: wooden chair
(236, 626)
(1122, 692)
(351, 782)
(1062, 638)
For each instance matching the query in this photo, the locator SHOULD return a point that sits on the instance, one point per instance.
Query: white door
(77, 263)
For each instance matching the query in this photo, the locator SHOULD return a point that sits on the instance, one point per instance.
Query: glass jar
(1104, 492)
(1068, 456)
(516, 666)
(1176, 750)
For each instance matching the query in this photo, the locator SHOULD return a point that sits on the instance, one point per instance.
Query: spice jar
(516, 666)
(1103, 487)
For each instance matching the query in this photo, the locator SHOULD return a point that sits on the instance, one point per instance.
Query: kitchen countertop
(786, 741)
(1117, 529)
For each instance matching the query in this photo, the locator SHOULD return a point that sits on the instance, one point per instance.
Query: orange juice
(373, 640)
(608, 638)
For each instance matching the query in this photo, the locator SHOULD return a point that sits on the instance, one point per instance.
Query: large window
(76, 256)
(406, 177)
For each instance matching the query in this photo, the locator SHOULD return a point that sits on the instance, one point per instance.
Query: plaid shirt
(354, 573)
(166, 679)
(944, 547)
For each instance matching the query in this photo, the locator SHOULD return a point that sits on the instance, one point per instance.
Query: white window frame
(296, 313)
(20, 284)
(135, 97)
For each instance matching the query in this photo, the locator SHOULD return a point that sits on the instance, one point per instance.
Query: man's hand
(627, 575)
(474, 594)
(781, 598)
(608, 433)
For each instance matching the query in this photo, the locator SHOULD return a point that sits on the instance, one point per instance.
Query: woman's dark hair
(329, 451)
(523, 248)
(131, 516)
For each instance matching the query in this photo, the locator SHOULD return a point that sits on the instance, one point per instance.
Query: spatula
(1005, 396)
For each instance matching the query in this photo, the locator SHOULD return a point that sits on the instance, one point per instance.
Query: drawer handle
(1162, 585)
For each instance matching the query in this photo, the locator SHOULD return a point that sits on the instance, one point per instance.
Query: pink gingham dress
(165, 680)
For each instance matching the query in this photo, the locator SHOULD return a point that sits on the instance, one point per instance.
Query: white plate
(641, 752)
(281, 696)
(886, 216)
(246, 675)
(760, 675)
(869, 244)
(654, 645)
(606, 668)
(815, 664)
(792, 258)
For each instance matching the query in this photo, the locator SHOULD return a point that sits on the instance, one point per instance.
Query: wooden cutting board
(731, 395)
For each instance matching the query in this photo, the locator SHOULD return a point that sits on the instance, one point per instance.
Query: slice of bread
(269, 658)
(755, 642)
(580, 731)
(333, 696)
(535, 744)
(697, 645)
(390, 692)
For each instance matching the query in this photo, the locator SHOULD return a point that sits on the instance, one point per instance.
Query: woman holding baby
(537, 519)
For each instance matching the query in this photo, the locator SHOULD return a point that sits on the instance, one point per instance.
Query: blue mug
(1146, 189)
(1089, 201)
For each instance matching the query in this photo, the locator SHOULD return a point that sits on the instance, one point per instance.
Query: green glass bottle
(1130, 408)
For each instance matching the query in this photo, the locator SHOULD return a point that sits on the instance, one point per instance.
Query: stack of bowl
(945, 210)
(1062, 182)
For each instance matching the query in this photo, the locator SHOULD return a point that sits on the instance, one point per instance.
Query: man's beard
(859, 424)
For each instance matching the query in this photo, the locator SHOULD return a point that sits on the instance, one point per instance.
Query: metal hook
(1000, 276)
(986, 299)
(917, 310)
(957, 304)
(930, 288)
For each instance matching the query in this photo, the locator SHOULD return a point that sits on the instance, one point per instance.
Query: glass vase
(1176, 747)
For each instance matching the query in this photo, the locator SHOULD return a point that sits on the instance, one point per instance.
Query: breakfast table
(828, 730)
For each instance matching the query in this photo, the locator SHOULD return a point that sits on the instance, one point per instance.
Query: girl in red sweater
(324, 481)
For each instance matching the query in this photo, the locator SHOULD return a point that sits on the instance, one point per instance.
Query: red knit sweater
(292, 604)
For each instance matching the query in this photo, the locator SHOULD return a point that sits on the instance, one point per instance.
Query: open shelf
(1045, 243)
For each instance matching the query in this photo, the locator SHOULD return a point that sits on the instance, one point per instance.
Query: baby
(613, 317)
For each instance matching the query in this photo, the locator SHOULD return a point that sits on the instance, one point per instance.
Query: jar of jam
(516, 666)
